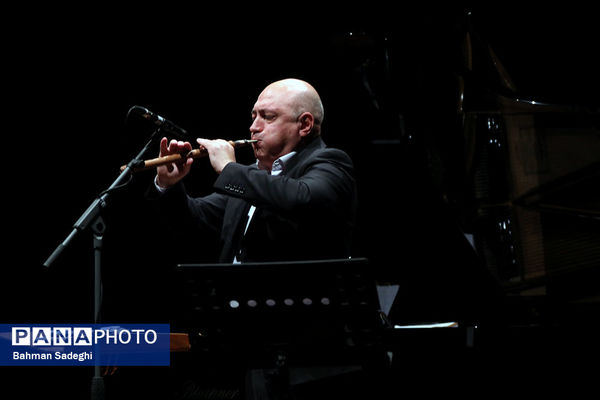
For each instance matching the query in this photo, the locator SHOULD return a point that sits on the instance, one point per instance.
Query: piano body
(533, 174)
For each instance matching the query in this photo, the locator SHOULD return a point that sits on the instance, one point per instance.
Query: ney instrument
(142, 165)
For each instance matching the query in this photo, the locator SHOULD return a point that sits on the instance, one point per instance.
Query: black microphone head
(138, 110)
(162, 123)
(147, 114)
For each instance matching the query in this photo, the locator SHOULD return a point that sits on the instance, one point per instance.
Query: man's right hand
(168, 175)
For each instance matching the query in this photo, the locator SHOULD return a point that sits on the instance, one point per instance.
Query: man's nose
(255, 127)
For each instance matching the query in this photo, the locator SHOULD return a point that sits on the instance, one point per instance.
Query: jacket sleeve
(324, 182)
(185, 212)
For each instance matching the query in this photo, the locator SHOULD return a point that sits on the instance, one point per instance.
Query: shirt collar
(279, 164)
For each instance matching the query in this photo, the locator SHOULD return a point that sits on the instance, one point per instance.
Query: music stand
(302, 312)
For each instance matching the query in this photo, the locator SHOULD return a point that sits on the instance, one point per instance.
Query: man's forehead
(267, 101)
(262, 107)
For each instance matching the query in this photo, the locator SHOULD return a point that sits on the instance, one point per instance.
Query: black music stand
(282, 314)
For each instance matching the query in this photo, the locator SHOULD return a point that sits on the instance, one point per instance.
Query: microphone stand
(92, 219)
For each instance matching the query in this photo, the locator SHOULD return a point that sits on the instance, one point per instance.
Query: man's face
(274, 125)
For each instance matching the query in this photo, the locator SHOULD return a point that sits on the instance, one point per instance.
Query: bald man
(297, 202)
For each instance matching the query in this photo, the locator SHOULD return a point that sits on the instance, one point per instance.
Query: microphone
(159, 121)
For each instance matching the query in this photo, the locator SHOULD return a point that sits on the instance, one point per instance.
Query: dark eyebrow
(264, 111)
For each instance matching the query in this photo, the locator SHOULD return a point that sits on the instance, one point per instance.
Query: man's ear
(306, 121)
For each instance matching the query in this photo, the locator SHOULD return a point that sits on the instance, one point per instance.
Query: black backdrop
(71, 75)
(387, 81)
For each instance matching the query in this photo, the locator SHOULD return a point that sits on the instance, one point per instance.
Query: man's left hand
(220, 152)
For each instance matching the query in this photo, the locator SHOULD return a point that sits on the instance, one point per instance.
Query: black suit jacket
(306, 212)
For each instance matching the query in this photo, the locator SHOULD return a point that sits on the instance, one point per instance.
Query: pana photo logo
(96, 344)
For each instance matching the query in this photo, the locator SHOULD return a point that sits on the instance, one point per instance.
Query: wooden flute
(142, 165)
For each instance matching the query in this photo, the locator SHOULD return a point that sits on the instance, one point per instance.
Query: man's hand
(168, 175)
(220, 152)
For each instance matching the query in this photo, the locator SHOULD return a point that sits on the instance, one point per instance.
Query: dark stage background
(390, 85)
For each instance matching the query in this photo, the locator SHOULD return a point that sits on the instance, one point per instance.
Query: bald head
(300, 97)
(286, 114)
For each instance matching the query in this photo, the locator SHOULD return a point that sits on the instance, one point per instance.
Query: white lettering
(112, 334)
(86, 355)
(62, 336)
(99, 334)
(121, 334)
(151, 332)
(82, 336)
(20, 336)
(31, 356)
(41, 336)
(137, 335)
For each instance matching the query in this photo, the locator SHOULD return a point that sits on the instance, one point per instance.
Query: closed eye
(269, 116)
(266, 115)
